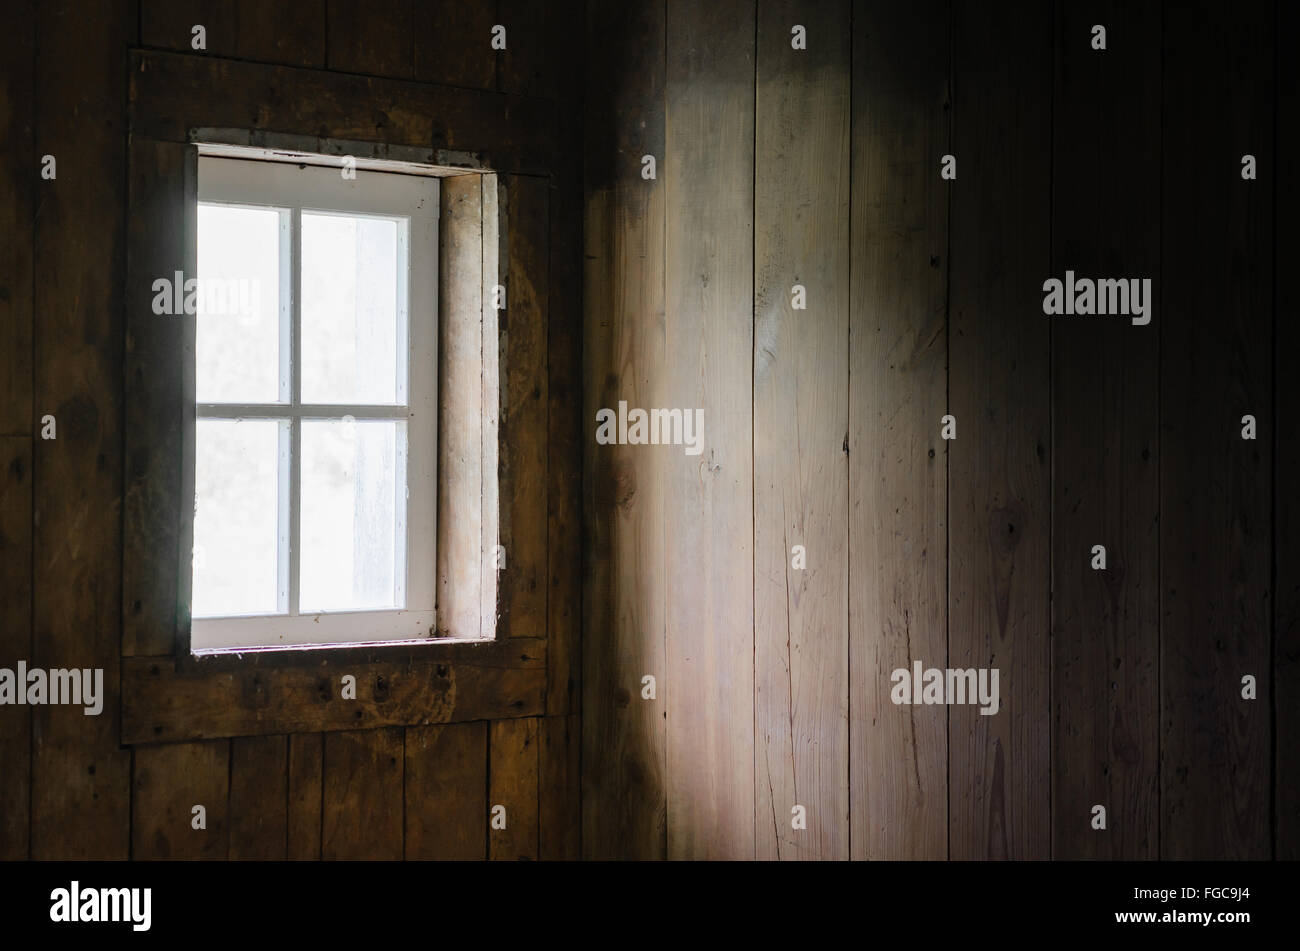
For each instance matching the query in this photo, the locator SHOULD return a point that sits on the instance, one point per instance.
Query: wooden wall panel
(81, 776)
(564, 542)
(446, 791)
(800, 389)
(623, 750)
(525, 64)
(1215, 491)
(708, 169)
(898, 462)
(259, 797)
(1105, 442)
(453, 43)
(361, 802)
(271, 31)
(523, 416)
(162, 193)
(559, 788)
(513, 783)
(999, 520)
(1286, 459)
(370, 36)
(15, 640)
(305, 797)
(19, 181)
(167, 783)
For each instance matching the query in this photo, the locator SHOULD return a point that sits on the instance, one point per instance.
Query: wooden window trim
(169, 694)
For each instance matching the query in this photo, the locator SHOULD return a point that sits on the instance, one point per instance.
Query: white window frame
(293, 188)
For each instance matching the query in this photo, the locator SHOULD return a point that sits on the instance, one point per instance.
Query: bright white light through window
(315, 382)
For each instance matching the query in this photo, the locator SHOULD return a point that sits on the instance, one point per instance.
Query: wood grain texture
(167, 783)
(271, 31)
(169, 97)
(163, 705)
(81, 776)
(19, 181)
(559, 788)
(525, 64)
(523, 426)
(453, 43)
(564, 537)
(460, 408)
(898, 462)
(708, 169)
(371, 36)
(1215, 487)
(512, 783)
(801, 379)
(625, 487)
(1286, 462)
(362, 796)
(259, 798)
(495, 210)
(1105, 439)
(306, 754)
(160, 242)
(15, 640)
(1000, 508)
(446, 791)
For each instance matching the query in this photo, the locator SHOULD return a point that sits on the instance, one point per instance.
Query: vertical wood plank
(564, 386)
(998, 465)
(362, 797)
(525, 63)
(168, 782)
(523, 416)
(708, 169)
(512, 783)
(160, 242)
(623, 742)
(1105, 438)
(15, 640)
(453, 43)
(306, 752)
(460, 408)
(1215, 489)
(559, 807)
(269, 31)
(801, 382)
(259, 797)
(371, 36)
(81, 778)
(1286, 461)
(446, 791)
(898, 462)
(19, 179)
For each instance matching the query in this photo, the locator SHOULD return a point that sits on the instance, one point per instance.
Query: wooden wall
(821, 167)
(69, 788)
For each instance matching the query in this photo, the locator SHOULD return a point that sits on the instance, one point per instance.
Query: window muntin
(334, 454)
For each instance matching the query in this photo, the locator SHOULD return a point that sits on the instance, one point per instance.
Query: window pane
(352, 517)
(237, 516)
(237, 339)
(351, 332)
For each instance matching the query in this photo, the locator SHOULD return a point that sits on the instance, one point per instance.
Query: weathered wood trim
(172, 95)
(266, 693)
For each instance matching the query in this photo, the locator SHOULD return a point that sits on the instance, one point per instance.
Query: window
(315, 374)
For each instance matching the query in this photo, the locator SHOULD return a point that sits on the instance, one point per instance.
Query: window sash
(413, 202)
